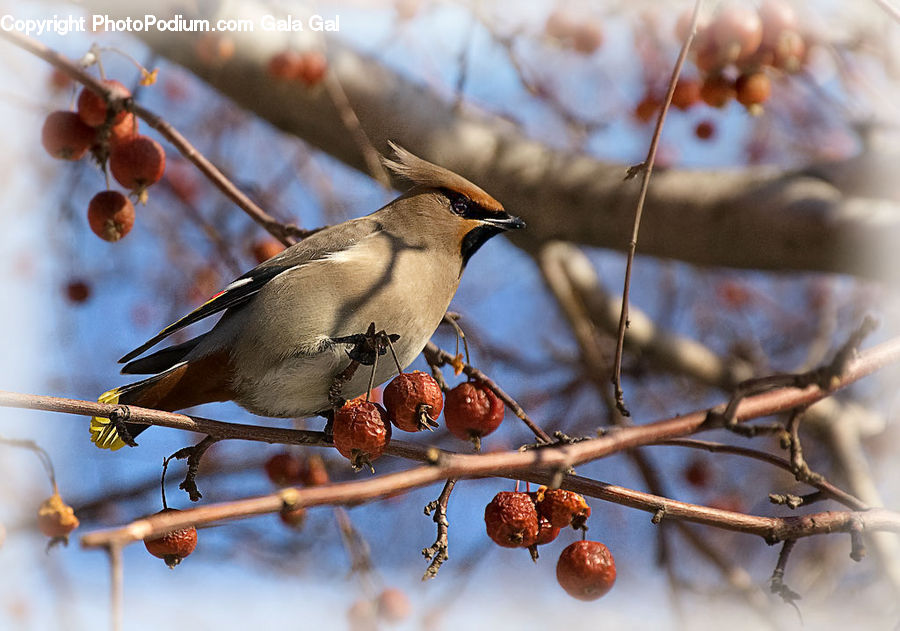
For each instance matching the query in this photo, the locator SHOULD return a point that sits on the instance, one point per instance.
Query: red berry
(92, 106)
(547, 532)
(646, 109)
(587, 37)
(293, 517)
(562, 507)
(586, 570)
(716, 90)
(316, 474)
(65, 136)
(753, 88)
(472, 411)
(737, 30)
(697, 473)
(124, 130)
(110, 215)
(173, 546)
(78, 291)
(56, 518)
(560, 25)
(285, 65)
(313, 68)
(413, 401)
(511, 520)
(361, 432)
(686, 94)
(393, 605)
(285, 469)
(705, 130)
(264, 249)
(137, 163)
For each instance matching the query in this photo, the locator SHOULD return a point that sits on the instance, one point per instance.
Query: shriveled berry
(56, 518)
(393, 605)
(562, 507)
(137, 163)
(511, 520)
(110, 215)
(361, 432)
(586, 570)
(264, 249)
(92, 108)
(753, 88)
(547, 532)
(316, 474)
(78, 290)
(173, 546)
(65, 136)
(313, 68)
(413, 401)
(285, 469)
(472, 411)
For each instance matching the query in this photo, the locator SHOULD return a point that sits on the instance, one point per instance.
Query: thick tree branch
(761, 218)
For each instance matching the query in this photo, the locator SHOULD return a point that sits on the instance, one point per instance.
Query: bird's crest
(424, 173)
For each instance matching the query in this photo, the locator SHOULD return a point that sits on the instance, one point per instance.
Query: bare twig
(647, 168)
(829, 490)
(437, 552)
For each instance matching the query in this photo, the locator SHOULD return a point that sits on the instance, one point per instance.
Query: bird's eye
(459, 204)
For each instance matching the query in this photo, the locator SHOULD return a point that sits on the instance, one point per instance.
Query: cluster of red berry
(734, 51)
(412, 403)
(308, 67)
(110, 134)
(586, 569)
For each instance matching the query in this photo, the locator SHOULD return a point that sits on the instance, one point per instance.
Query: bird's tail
(103, 432)
(184, 385)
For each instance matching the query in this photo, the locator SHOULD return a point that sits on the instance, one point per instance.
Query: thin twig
(438, 552)
(829, 490)
(647, 168)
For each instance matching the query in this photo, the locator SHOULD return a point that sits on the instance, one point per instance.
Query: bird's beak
(507, 222)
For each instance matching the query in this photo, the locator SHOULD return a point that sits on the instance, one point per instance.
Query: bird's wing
(242, 289)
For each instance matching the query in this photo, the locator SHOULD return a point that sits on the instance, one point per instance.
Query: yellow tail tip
(103, 433)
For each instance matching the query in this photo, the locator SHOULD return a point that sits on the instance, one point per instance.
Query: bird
(291, 324)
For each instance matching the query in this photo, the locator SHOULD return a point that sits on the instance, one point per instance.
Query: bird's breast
(284, 358)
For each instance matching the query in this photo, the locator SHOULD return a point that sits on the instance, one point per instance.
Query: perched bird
(284, 333)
